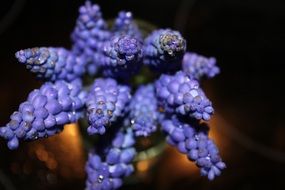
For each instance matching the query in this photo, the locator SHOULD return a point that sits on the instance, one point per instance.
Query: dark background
(246, 36)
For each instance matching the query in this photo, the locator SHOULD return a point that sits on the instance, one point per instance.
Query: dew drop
(100, 178)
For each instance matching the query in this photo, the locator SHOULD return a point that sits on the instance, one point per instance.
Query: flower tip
(172, 43)
(13, 143)
(221, 165)
(20, 55)
(2, 131)
(211, 175)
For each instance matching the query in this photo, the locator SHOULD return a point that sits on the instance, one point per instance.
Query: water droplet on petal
(100, 178)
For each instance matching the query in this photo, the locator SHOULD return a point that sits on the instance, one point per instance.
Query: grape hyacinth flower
(123, 57)
(143, 111)
(106, 172)
(106, 102)
(119, 56)
(52, 64)
(193, 140)
(91, 30)
(125, 25)
(164, 50)
(90, 34)
(197, 66)
(180, 94)
(45, 112)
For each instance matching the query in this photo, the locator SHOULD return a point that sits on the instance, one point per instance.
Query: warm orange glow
(51, 164)
(217, 124)
(178, 163)
(181, 163)
(71, 130)
(42, 153)
(62, 153)
(143, 166)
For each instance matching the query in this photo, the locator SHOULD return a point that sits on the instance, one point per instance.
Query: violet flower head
(52, 64)
(123, 57)
(182, 95)
(125, 25)
(172, 99)
(164, 50)
(193, 140)
(89, 35)
(105, 103)
(90, 31)
(197, 66)
(107, 171)
(143, 111)
(45, 112)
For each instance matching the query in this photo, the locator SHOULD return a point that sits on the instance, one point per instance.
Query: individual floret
(143, 111)
(164, 50)
(125, 25)
(106, 102)
(192, 140)
(181, 94)
(106, 169)
(52, 64)
(45, 112)
(197, 66)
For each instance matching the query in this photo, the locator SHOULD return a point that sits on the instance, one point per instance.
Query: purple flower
(52, 63)
(106, 102)
(90, 34)
(174, 101)
(125, 25)
(192, 139)
(180, 94)
(143, 113)
(164, 50)
(197, 66)
(123, 57)
(106, 169)
(45, 112)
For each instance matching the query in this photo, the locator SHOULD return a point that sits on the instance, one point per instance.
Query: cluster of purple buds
(144, 114)
(192, 139)
(112, 162)
(45, 112)
(124, 24)
(197, 66)
(182, 95)
(89, 35)
(106, 102)
(52, 63)
(117, 108)
(122, 57)
(90, 31)
(163, 50)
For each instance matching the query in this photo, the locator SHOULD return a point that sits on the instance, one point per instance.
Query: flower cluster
(180, 94)
(192, 139)
(45, 112)
(111, 161)
(143, 115)
(198, 66)
(163, 50)
(52, 64)
(106, 102)
(124, 24)
(117, 107)
(122, 57)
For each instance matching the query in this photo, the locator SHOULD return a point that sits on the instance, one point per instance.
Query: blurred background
(246, 36)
